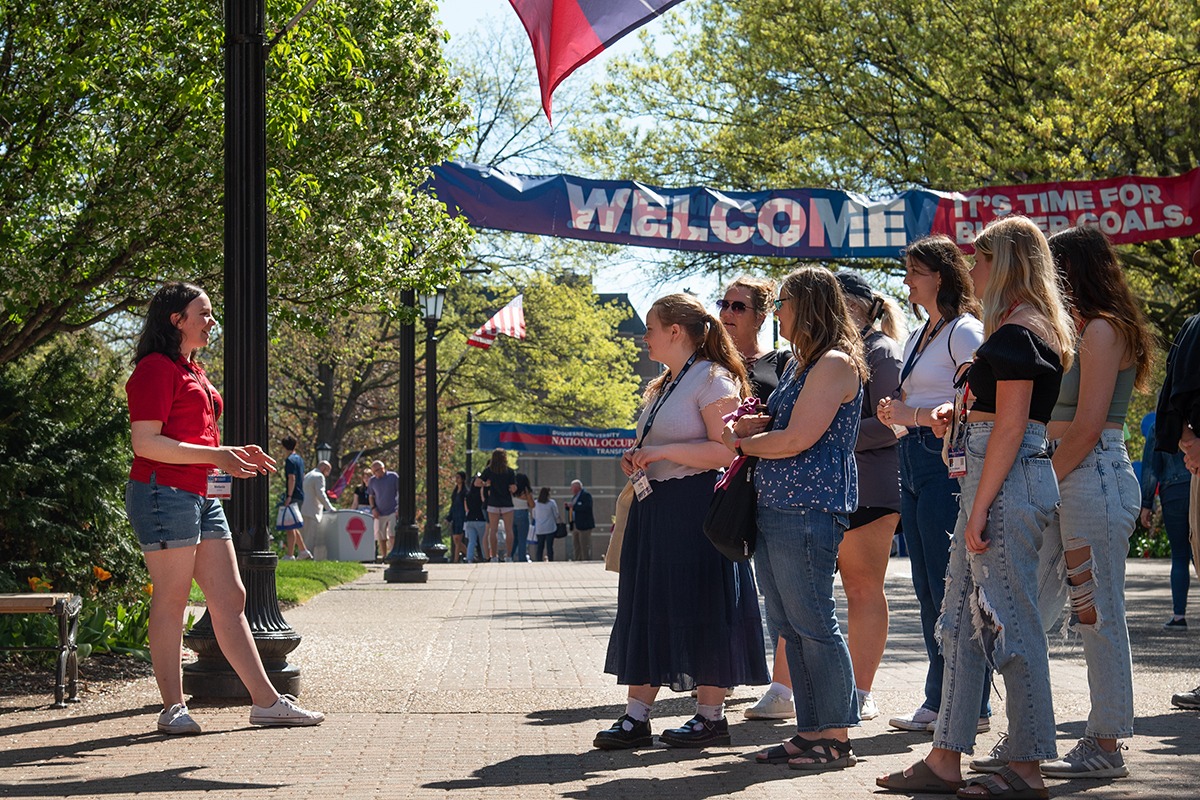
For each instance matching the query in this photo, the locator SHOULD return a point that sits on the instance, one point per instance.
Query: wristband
(737, 447)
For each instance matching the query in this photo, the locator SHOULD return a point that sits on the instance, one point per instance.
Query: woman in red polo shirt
(178, 458)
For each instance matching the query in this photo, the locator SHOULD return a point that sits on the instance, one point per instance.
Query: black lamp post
(324, 452)
(246, 364)
(406, 562)
(432, 543)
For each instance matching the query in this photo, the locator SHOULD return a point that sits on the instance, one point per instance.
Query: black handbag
(560, 530)
(732, 520)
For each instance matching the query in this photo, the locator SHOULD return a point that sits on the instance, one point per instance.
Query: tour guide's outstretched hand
(246, 461)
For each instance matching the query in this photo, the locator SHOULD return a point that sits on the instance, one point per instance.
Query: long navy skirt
(686, 615)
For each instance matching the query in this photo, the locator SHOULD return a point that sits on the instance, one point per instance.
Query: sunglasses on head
(737, 306)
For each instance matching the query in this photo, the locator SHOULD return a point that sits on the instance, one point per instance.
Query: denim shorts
(164, 517)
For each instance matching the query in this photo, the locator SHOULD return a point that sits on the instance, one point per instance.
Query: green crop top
(1068, 395)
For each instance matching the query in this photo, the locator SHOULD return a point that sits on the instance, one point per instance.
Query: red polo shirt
(179, 395)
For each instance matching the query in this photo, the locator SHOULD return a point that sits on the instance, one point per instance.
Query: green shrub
(64, 446)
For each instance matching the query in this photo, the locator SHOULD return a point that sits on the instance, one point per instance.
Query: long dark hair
(941, 256)
(499, 461)
(544, 495)
(1093, 278)
(821, 321)
(159, 334)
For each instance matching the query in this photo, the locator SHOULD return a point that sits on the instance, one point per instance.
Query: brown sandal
(918, 779)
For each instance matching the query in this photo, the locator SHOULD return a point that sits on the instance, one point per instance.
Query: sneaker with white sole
(867, 707)
(772, 705)
(287, 558)
(176, 721)
(1187, 699)
(995, 760)
(983, 726)
(285, 713)
(305, 555)
(1088, 760)
(919, 720)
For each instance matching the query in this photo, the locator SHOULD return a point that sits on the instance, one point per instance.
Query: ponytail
(718, 347)
(707, 335)
(891, 319)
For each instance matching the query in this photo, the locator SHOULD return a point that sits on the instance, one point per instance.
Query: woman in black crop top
(1008, 495)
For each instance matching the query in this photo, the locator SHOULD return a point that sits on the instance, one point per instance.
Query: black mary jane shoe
(625, 734)
(697, 732)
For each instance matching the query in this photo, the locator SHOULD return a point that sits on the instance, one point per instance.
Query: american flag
(509, 320)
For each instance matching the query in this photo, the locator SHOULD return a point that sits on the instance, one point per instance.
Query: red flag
(566, 34)
(509, 320)
(344, 480)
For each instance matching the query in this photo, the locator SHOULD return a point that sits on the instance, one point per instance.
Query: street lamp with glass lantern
(432, 304)
(325, 452)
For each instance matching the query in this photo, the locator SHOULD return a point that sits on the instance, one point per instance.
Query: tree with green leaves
(111, 157)
(878, 96)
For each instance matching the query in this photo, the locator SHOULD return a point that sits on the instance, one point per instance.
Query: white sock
(711, 713)
(637, 709)
(783, 691)
(861, 694)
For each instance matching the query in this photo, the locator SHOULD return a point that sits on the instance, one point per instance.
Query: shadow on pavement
(75, 721)
(160, 782)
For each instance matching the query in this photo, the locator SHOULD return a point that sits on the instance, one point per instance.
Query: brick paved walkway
(486, 682)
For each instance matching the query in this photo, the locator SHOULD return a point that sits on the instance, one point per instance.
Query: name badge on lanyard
(220, 485)
(956, 445)
(641, 484)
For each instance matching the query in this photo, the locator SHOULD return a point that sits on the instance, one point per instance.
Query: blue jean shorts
(164, 517)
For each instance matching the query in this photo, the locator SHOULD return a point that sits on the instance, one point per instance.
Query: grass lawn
(298, 581)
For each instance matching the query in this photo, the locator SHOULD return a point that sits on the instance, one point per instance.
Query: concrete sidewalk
(487, 682)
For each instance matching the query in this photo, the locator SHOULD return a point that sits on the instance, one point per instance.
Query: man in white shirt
(316, 502)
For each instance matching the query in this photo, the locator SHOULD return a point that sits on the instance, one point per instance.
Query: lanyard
(662, 398)
(962, 384)
(920, 349)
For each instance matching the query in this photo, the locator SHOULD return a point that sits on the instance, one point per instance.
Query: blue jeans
(928, 510)
(474, 530)
(545, 546)
(1099, 506)
(795, 561)
(990, 616)
(520, 535)
(1175, 499)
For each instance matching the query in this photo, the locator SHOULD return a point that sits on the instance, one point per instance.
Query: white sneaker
(919, 720)
(287, 558)
(771, 705)
(994, 761)
(867, 707)
(306, 555)
(285, 712)
(176, 721)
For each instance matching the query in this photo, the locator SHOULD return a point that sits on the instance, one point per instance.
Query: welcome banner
(806, 223)
(555, 440)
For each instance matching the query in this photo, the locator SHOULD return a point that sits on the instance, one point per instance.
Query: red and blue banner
(555, 440)
(566, 34)
(806, 223)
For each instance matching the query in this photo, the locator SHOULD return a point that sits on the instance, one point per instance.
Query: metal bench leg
(66, 668)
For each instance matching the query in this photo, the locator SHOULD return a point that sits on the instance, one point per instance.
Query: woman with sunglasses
(807, 486)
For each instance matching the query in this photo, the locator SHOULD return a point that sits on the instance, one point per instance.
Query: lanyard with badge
(641, 483)
(220, 484)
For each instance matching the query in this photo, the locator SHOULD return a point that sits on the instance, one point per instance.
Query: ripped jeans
(990, 612)
(1100, 501)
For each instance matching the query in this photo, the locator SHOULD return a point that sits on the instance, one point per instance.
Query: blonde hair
(821, 321)
(1023, 272)
(707, 335)
(890, 318)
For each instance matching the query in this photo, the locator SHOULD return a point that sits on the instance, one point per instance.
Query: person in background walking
(383, 490)
(475, 524)
(583, 522)
(316, 501)
(545, 523)
(174, 413)
(498, 482)
(1165, 476)
(293, 495)
(457, 517)
(362, 495)
(522, 506)
(939, 284)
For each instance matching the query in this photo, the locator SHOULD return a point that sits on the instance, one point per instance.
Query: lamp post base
(406, 562)
(211, 675)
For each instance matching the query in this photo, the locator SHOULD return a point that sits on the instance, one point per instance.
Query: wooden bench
(66, 607)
